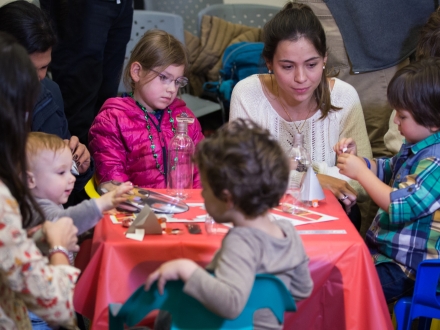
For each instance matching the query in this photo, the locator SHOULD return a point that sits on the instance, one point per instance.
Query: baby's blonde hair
(37, 142)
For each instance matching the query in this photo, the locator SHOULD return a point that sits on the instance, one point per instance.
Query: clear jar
(180, 165)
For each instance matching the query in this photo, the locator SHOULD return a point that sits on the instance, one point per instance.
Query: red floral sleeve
(26, 278)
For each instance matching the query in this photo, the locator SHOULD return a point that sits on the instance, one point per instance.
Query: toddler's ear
(228, 198)
(31, 180)
(434, 129)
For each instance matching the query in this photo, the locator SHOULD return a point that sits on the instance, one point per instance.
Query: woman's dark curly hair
(247, 161)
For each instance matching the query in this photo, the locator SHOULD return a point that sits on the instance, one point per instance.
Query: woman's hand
(340, 188)
(80, 154)
(345, 145)
(171, 271)
(61, 232)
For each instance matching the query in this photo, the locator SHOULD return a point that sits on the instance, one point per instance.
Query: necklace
(301, 126)
(150, 136)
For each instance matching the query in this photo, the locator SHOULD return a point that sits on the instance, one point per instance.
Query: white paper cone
(311, 190)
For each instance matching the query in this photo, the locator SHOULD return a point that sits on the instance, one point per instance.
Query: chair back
(188, 9)
(425, 298)
(144, 20)
(90, 188)
(425, 301)
(245, 14)
(188, 313)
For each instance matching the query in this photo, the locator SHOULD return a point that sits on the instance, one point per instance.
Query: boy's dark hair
(29, 25)
(247, 161)
(416, 88)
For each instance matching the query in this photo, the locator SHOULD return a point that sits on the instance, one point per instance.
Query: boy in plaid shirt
(406, 229)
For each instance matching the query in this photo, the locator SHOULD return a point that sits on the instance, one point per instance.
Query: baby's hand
(119, 195)
(351, 165)
(115, 197)
(171, 271)
(345, 145)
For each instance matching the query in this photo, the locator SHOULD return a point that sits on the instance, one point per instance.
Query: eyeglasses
(179, 82)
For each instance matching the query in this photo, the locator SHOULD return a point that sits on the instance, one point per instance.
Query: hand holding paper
(345, 145)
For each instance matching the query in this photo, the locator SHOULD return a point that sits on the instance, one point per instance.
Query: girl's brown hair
(293, 22)
(157, 50)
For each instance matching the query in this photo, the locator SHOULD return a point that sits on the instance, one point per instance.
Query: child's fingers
(124, 188)
(345, 145)
(341, 146)
(161, 283)
(119, 200)
(342, 159)
(151, 279)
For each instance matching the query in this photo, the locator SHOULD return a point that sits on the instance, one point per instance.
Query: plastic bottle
(180, 165)
(298, 155)
(299, 160)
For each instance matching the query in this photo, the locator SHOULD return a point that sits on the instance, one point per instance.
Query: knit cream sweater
(249, 101)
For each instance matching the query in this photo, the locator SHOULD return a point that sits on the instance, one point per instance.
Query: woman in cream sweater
(298, 97)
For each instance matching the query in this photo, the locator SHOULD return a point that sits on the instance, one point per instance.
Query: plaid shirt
(410, 232)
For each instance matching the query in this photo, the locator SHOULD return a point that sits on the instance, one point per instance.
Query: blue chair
(188, 313)
(425, 301)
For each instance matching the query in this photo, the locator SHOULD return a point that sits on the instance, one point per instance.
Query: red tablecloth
(346, 294)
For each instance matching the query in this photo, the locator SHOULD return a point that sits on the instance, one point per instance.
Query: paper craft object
(147, 221)
(311, 190)
(304, 216)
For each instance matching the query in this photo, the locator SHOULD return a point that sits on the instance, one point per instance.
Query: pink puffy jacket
(119, 143)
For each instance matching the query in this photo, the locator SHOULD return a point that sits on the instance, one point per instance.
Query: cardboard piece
(147, 221)
(311, 189)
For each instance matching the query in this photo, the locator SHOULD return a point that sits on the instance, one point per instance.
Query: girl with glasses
(129, 137)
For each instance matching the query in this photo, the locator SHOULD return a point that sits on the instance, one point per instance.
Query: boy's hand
(115, 197)
(345, 145)
(171, 271)
(351, 166)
